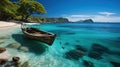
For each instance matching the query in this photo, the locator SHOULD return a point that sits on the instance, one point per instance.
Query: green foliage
(45, 20)
(29, 7)
(57, 20)
(7, 10)
(20, 10)
(35, 19)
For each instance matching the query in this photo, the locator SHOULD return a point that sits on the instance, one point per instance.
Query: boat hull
(48, 39)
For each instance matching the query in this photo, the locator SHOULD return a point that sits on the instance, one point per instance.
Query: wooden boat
(38, 35)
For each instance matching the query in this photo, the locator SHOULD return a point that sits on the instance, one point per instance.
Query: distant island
(61, 20)
(47, 20)
(86, 21)
(57, 20)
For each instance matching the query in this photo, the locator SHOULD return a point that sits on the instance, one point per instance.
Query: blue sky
(74, 10)
(60, 7)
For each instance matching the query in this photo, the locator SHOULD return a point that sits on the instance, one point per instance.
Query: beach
(7, 26)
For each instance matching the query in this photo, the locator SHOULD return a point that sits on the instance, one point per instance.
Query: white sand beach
(7, 26)
(4, 24)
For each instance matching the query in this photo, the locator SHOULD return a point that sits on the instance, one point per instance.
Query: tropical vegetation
(20, 10)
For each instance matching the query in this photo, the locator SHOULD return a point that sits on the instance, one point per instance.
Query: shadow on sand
(34, 46)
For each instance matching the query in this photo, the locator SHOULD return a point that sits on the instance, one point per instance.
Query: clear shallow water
(74, 42)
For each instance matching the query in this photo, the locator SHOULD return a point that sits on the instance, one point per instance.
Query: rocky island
(86, 21)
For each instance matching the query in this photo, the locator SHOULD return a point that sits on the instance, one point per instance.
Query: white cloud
(106, 13)
(80, 16)
(96, 18)
(77, 17)
(100, 18)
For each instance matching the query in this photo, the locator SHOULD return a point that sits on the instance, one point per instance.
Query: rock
(24, 49)
(95, 55)
(97, 51)
(12, 64)
(15, 59)
(99, 48)
(1, 41)
(25, 64)
(2, 50)
(67, 43)
(4, 56)
(88, 63)
(114, 52)
(88, 21)
(74, 54)
(14, 45)
(4, 37)
(78, 47)
(19, 64)
(115, 64)
(2, 61)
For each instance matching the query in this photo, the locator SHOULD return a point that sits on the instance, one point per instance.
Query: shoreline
(6, 27)
(4, 24)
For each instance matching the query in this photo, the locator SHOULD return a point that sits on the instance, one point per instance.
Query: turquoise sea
(76, 45)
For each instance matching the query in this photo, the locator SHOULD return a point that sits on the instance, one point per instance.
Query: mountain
(86, 21)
